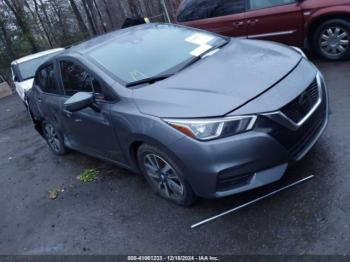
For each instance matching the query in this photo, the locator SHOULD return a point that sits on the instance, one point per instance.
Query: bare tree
(17, 8)
(100, 15)
(89, 16)
(107, 7)
(27, 26)
(6, 39)
(79, 18)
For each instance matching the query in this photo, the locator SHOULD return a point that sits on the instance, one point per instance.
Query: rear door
(224, 17)
(276, 20)
(47, 95)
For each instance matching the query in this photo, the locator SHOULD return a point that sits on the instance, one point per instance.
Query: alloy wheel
(163, 176)
(52, 138)
(334, 41)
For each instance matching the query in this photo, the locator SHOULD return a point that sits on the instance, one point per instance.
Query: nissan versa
(198, 114)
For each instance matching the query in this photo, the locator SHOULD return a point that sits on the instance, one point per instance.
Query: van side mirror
(15, 79)
(79, 101)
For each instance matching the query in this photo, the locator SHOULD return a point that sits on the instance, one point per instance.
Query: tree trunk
(20, 18)
(42, 23)
(48, 21)
(109, 13)
(37, 26)
(61, 22)
(100, 15)
(89, 16)
(79, 18)
(7, 41)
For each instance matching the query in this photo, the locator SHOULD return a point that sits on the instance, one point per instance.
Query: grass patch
(89, 175)
(53, 194)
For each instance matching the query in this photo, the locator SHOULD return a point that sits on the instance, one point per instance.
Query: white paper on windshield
(200, 50)
(199, 39)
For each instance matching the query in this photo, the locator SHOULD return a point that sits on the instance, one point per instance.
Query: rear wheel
(164, 176)
(54, 139)
(331, 40)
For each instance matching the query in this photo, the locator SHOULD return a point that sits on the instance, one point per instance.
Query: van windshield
(143, 53)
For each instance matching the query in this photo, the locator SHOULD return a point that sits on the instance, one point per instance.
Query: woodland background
(29, 26)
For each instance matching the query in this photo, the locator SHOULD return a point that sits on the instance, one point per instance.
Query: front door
(88, 130)
(276, 20)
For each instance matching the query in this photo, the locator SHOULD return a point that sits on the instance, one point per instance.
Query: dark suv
(322, 25)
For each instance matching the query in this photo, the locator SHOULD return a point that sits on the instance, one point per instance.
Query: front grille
(297, 109)
(295, 141)
(304, 139)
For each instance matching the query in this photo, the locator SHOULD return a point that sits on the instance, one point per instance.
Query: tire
(164, 176)
(54, 138)
(331, 40)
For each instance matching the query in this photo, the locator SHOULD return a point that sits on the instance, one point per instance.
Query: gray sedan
(198, 114)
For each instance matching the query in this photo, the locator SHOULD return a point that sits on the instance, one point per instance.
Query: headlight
(299, 51)
(207, 129)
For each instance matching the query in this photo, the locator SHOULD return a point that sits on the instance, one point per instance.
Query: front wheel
(331, 40)
(164, 176)
(54, 139)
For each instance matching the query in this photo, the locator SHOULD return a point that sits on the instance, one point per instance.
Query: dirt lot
(118, 214)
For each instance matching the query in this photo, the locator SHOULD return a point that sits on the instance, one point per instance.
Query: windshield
(155, 50)
(28, 68)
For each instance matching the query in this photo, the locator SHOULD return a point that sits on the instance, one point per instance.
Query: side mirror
(79, 101)
(15, 79)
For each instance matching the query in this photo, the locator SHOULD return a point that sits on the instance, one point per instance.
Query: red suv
(323, 25)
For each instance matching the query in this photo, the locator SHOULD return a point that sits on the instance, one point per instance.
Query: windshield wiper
(197, 58)
(149, 80)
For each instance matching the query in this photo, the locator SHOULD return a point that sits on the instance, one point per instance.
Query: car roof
(36, 55)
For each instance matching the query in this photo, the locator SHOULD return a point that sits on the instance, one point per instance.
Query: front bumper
(240, 163)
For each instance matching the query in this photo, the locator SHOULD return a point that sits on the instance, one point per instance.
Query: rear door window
(46, 81)
(196, 9)
(229, 7)
(201, 9)
(260, 4)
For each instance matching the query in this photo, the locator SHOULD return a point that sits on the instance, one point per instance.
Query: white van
(23, 70)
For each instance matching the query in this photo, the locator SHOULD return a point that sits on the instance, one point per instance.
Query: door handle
(237, 24)
(252, 22)
(39, 100)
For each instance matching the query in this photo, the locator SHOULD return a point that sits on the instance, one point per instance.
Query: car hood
(221, 83)
(27, 84)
